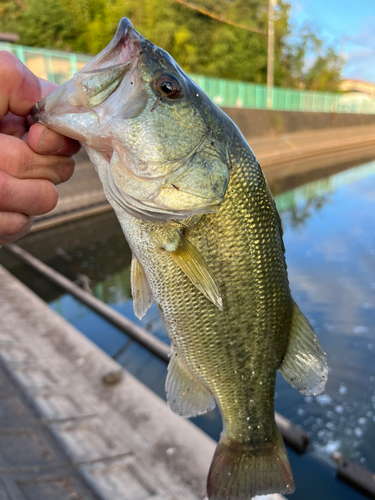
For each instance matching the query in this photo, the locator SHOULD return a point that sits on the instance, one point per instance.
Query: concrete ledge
(256, 123)
(293, 159)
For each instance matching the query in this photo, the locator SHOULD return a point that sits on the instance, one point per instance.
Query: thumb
(46, 87)
(20, 89)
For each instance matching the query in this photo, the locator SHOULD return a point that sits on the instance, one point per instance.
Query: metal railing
(59, 67)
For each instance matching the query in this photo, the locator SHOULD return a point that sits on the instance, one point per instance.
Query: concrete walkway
(65, 434)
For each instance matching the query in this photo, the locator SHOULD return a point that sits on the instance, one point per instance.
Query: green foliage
(46, 24)
(10, 11)
(309, 65)
(199, 43)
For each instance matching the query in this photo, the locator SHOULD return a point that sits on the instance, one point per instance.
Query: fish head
(159, 144)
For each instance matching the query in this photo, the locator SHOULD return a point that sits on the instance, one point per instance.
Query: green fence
(227, 93)
(59, 66)
(52, 65)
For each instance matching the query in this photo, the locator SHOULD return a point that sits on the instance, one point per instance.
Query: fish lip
(123, 29)
(35, 112)
(125, 37)
(124, 25)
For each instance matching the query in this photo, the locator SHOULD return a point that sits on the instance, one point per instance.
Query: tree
(46, 24)
(311, 65)
(200, 44)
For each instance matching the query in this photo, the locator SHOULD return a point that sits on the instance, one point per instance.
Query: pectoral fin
(186, 396)
(192, 263)
(305, 365)
(141, 291)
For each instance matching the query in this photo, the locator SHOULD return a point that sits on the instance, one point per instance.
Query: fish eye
(168, 86)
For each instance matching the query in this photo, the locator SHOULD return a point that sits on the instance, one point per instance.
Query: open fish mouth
(99, 79)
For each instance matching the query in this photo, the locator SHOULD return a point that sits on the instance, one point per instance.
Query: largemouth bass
(207, 247)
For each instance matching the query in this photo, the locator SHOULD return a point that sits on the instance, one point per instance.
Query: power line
(207, 13)
(314, 14)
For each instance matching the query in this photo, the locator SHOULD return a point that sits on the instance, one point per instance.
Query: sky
(345, 24)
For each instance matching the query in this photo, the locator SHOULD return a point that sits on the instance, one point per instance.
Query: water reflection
(330, 241)
(298, 215)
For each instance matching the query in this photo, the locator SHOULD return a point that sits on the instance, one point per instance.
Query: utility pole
(271, 51)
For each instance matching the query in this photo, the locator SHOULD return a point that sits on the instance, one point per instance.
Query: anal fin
(192, 263)
(141, 291)
(186, 396)
(305, 365)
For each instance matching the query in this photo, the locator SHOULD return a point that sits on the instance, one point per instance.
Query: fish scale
(221, 346)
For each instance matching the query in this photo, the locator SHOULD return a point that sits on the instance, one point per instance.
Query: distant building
(350, 85)
(359, 96)
(9, 37)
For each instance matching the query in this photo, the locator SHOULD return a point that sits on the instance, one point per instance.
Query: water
(330, 249)
(330, 240)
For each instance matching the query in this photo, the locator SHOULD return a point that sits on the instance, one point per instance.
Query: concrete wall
(262, 122)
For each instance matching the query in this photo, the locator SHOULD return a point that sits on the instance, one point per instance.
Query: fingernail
(50, 142)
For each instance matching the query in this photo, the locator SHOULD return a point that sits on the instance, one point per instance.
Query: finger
(45, 141)
(13, 125)
(19, 161)
(13, 226)
(27, 196)
(19, 88)
(46, 87)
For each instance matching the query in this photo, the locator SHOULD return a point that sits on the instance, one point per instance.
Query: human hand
(33, 158)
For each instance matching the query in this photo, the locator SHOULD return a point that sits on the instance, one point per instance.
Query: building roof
(350, 84)
(9, 37)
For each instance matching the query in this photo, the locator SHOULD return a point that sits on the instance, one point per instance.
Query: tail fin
(236, 474)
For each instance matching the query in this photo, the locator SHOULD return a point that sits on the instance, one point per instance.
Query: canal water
(329, 235)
